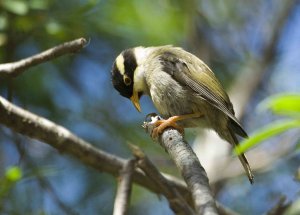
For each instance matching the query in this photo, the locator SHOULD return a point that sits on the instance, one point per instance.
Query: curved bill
(135, 100)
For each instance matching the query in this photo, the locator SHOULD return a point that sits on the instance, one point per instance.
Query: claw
(161, 125)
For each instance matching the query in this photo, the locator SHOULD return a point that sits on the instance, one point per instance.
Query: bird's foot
(161, 125)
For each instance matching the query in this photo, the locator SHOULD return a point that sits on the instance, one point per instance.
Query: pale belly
(175, 102)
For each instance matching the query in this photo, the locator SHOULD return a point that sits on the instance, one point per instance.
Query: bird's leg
(161, 125)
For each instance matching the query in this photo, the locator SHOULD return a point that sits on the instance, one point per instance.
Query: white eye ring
(127, 80)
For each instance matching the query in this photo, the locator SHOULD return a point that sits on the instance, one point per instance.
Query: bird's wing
(199, 78)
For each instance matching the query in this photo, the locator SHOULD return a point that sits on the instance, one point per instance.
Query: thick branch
(177, 203)
(63, 140)
(16, 68)
(124, 188)
(189, 166)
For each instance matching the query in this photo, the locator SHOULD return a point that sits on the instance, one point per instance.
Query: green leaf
(13, 174)
(285, 104)
(265, 133)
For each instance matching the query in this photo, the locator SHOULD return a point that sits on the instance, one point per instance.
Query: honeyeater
(184, 90)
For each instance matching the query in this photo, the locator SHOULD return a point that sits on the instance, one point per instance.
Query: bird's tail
(242, 158)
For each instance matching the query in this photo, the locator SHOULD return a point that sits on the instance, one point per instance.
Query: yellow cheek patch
(120, 64)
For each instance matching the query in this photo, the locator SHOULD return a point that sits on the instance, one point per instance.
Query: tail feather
(242, 158)
(247, 167)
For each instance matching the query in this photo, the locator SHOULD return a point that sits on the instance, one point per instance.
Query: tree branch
(42, 129)
(39, 128)
(63, 140)
(177, 202)
(14, 69)
(188, 164)
(124, 188)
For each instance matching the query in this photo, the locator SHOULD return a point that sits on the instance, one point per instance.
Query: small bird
(182, 88)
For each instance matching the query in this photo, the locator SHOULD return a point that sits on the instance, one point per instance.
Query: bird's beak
(135, 100)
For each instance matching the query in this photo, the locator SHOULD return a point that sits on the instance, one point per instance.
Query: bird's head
(124, 75)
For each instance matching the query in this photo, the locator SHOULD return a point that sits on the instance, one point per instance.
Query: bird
(183, 89)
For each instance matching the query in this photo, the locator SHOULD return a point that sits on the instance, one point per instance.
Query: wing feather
(181, 72)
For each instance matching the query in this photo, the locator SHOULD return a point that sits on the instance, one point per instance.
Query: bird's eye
(127, 80)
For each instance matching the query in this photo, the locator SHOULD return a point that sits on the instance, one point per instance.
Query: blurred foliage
(75, 91)
(287, 105)
(297, 175)
(294, 209)
(12, 175)
(158, 22)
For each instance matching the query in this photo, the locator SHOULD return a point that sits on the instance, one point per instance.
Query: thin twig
(189, 166)
(14, 69)
(177, 203)
(124, 188)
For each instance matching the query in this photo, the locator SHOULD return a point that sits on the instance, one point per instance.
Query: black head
(123, 72)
